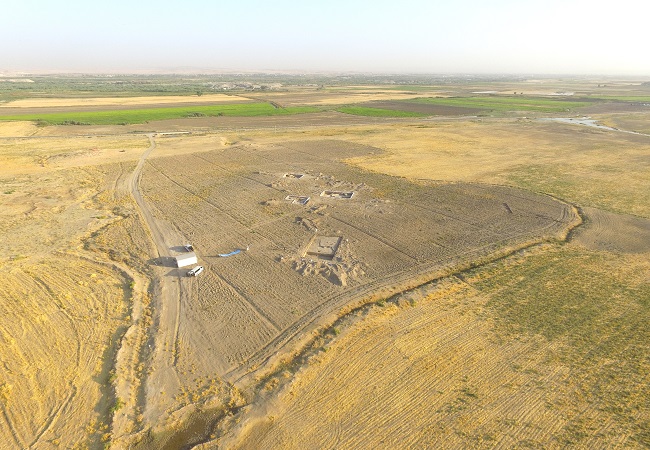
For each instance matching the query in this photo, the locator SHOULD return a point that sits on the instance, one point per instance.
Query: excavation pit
(297, 199)
(294, 175)
(337, 194)
(324, 247)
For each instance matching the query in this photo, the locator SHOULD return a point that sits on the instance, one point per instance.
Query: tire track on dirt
(51, 420)
(259, 311)
(12, 427)
(264, 354)
(377, 238)
(215, 206)
(46, 288)
(167, 295)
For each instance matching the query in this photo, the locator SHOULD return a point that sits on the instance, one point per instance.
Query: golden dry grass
(608, 170)
(639, 122)
(62, 315)
(65, 308)
(185, 144)
(14, 129)
(41, 156)
(590, 167)
(70, 309)
(528, 353)
(120, 101)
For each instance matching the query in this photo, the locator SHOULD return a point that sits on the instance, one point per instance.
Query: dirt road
(167, 299)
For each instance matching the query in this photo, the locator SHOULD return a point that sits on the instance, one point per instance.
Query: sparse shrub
(119, 404)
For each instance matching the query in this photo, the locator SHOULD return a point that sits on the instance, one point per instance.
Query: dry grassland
(49, 154)
(590, 167)
(246, 308)
(544, 350)
(330, 98)
(13, 129)
(639, 122)
(120, 101)
(66, 305)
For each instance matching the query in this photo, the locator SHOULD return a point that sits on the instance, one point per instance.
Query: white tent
(186, 259)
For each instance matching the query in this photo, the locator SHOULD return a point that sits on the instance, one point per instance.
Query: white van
(195, 271)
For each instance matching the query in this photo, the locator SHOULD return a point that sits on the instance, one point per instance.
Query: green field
(377, 112)
(506, 103)
(624, 98)
(132, 116)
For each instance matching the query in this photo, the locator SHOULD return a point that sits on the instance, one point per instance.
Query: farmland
(378, 112)
(129, 116)
(472, 277)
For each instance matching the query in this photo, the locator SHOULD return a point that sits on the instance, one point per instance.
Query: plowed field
(248, 306)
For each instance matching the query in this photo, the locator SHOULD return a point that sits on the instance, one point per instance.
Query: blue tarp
(234, 252)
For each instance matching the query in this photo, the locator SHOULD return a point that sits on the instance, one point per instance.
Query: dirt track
(166, 293)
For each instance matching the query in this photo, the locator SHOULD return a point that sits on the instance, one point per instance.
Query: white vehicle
(188, 247)
(195, 271)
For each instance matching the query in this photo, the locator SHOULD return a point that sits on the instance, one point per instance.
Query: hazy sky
(461, 36)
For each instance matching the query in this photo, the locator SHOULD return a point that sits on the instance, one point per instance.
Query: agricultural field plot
(422, 109)
(331, 97)
(505, 104)
(143, 115)
(235, 198)
(28, 105)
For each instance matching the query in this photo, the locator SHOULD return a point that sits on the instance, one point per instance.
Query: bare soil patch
(613, 232)
(331, 98)
(423, 108)
(246, 307)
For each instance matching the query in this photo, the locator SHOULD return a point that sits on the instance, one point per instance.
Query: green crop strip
(132, 116)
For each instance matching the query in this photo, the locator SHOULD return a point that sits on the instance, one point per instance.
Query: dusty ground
(265, 298)
(544, 349)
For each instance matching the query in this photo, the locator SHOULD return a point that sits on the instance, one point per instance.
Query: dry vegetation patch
(32, 103)
(577, 164)
(62, 320)
(66, 308)
(44, 155)
(545, 350)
